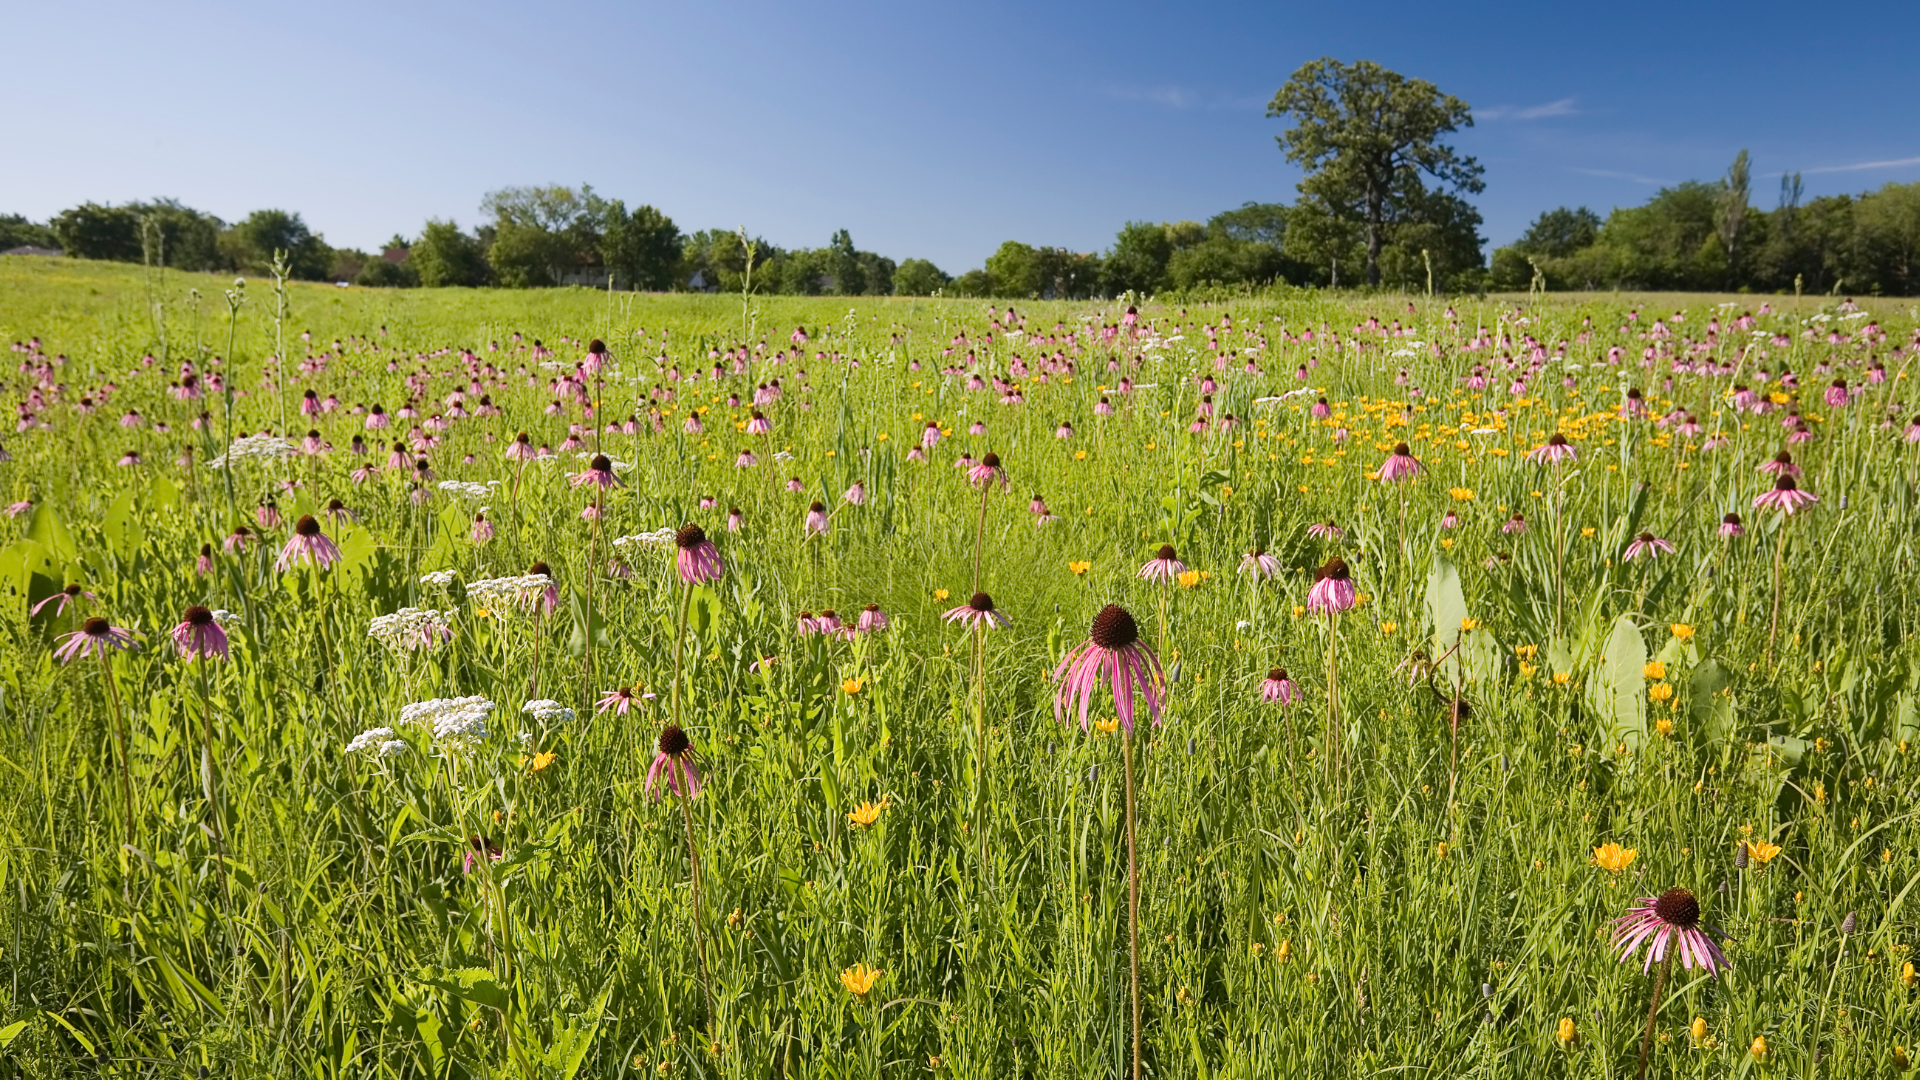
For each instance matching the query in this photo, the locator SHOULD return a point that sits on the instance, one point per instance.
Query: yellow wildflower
(1107, 727)
(1697, 1031)
(1682, 631)
(1907, 975)
(1761, 852)
(1188, 578)
(1080, 567)
(1613, 858)
(939, 594)
(1661, 692)
(864, 815)
(1654, 670)
(542, 760)
(1526, 652)
(1389, 627)
(1664, 726)
(1562, 678)
(1469, 624)
(859, 979)
(1759, 1048)
(1567, 1035)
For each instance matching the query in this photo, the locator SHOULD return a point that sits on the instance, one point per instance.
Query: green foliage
(1137, 262)
(251, 245)
(17, 231)
(445, 256)
(93, 231)
(918, 277)
(642, 248)
(1365, 135)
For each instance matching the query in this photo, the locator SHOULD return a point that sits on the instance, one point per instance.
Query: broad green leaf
(477, 985)
(1618, 692)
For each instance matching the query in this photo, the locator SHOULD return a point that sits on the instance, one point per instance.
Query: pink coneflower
(1332, 590)
(1321, 410)
(14, 510)
(734, 520)
(1064, 431)
(377, 418)
(1450, 520)
(308, 544)
(1164, 566)
(1781, 465)
(1671, 919)
(871, 619)
(1262, 566)
(338, 514)
(1113, 655)
(1785, 497)
(237, 540)
(267, 514)
(1277, 687)
(309, 404)
(1801, 434)
(599, 473)
(1515, 524)
(805, 623)
(61, 599)
(1634, 405)
(692, 425)
(482, 528)
(198, 635)
(422, 475)
(476, 845)
(929, 435)
(708, 502)
(1730, 526)
(1836, 395)
(988, 472)
(96, 637)
(203, 565)
(521, 448)
(977, 611)
(676, 759)
(549, 598)
(857, 494)
(1554, 451)
(1649, 545)
(1400, 465)
(828, 622)
(619, 701)
(131, 457)
(759, 424)
(816, 521)
(696, 558)
(1325, 531)
(795, 485)
(1103, 407)
(746, 460)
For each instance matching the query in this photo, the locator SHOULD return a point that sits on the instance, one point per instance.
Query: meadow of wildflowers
(454, 684)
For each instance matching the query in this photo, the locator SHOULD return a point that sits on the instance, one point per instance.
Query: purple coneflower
(203, 565)
(521, 448)
(1554, 451)
(871, 619)
(1325, 531)
(14, 510)
(237, 540)
(816, 521)
(338, 514)
(482, 528)
(697, 559)
(599, 473)
(1450, 520)
(1515, 524)
(1785, 497)
(857, 494)
(1649, 545)
(96, 637)
(1912, 433)
(676, 758)
(1261, 565)
(929, 435)
(1781, 465)
(308, 544)
(1836, 395)
(61, 599)
(1670, 920)
(1332, 590)
(1164, 566)
(1277, 687)
(977, 611)
(794, 485)
(267, 514)
(131, 457)
(477, 845)
(1730, 526)
(1103, 407)
(988, 472)
(199, 635)
(759, 425)
(1400, 465)
(1113, 655)
(617, 701)
(734, 520)
(548, 598)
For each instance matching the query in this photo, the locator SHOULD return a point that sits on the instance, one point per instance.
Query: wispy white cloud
(1615, 174)
(1862, 166)
(1562, 107)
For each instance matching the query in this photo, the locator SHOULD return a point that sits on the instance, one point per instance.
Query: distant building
(699, 283)
(30, 249)
(395, 254)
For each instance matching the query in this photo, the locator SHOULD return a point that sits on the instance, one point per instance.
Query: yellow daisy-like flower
(1759, 1047)
(1387, 628)
(1562, 678)
(1654, 670)
(1526, 652)
(1080, 567)
(1697, 1031)
(1761, 852)
(853, 686)
(859, 979)
(1660, 692)
(542, 760)
(1107, 727)
(1188, 578)
(1469, 624)
(864, 815)
(939, 594)
(1682, 631)
(1566, 1034)
(1613, 858)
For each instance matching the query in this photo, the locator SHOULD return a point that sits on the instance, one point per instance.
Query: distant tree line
(1708, 237)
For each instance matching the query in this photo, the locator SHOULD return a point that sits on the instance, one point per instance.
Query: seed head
(991, 460)
(1402, 450)
(198, 615)
(1335, 568)
(980, 602)
(307, 526)
(1114, 628)
(96, 627)
(1677, 907)
(1166, 553)
(674, 742)
(540, 568)
(689, 537)
(602, 463)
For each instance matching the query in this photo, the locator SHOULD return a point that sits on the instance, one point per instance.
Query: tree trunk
(1373, 240)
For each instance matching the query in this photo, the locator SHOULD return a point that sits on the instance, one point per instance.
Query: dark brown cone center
(1678, 908)
(690, 537)
(307, 526)
(1114, 628)
(198, 616)
(1166, 553)
(674, 742)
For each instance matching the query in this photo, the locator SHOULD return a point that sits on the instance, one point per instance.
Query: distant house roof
(30, 249)
(395, 254)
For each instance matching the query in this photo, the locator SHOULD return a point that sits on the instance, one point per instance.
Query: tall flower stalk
(1668, 924)
(978, 615)
(674, 766)
(1332, 593)
(1116, 658)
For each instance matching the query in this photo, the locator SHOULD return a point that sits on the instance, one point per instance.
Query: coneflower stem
(593, 553)
(120, 734)
(1653, 1010)
(213, 781)
(980, 740)
(1779, 568)
(1333, 689)
(693, 879)
(679, 651)
(1133, 901)
(980, 535)
(1559, 551)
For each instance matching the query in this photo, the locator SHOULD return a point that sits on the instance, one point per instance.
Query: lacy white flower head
(458, 723)
(411, 628)
(782, 455)
(659, 539)
(548, 711)
(466, 490)
(255, 447)
(380, 740)
(497, 592)
(439, 579)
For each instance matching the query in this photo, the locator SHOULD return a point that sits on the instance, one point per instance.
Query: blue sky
(932, 131)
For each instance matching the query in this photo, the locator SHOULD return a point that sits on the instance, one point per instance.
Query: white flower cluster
(659, 538)
(466, 490)
(380, 740)
(585, 455)
(548, 711)
(496, 592)
(439, 579)
(460, 723)
(263, 447)
(410, 628)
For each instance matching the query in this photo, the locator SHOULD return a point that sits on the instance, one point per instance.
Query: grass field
(1398, 869)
